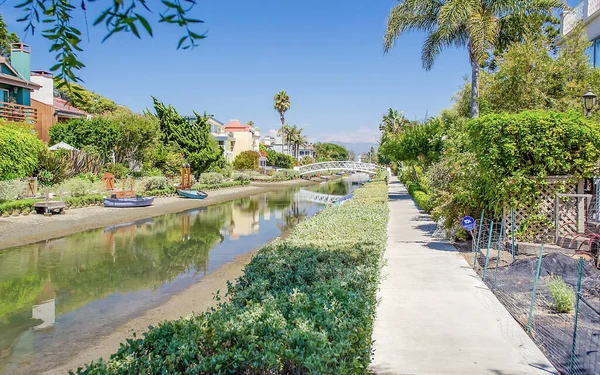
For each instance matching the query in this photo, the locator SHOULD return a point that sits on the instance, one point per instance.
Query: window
(4, 95)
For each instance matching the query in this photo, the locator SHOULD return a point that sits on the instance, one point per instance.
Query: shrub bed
(305, 304)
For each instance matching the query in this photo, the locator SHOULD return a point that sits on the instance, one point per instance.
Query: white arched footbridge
(338, 166)
(313, 196)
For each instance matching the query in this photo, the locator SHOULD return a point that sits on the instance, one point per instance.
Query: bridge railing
(338, 165)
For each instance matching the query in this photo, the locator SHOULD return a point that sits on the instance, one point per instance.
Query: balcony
(18, 113)
(584, 11)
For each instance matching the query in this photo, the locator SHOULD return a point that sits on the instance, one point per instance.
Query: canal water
(57, 294)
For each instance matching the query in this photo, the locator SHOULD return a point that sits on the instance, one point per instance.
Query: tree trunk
(474, 88)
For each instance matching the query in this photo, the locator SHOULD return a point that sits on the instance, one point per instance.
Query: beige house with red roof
(247, 138)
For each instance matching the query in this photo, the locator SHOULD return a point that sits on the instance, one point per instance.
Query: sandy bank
(22, 230)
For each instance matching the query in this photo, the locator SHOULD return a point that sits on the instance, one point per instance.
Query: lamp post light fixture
(589, 101)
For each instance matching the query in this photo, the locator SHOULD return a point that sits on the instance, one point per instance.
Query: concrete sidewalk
(435, 315)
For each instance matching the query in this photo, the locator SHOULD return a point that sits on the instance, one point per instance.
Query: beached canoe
(193, 194)
(128, 202)
(343, 199)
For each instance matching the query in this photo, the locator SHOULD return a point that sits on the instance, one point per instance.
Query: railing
(580, 12)
(18, 113)
(338, 165)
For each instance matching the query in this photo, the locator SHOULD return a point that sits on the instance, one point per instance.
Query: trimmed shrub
(562, 294)
(305, 305)
(247, 160)
(210, 178)
(19, 151)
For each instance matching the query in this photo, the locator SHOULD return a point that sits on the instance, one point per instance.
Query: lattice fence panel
(535, 222)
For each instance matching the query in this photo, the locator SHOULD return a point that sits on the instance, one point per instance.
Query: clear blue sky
(327, 54)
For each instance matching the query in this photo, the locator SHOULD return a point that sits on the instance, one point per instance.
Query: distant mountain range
(358, 148)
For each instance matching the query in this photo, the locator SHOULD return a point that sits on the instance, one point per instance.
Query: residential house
(16, 86)
(247, 138)
(226, 139)
(587, 12)
(28, 96)
(307, 150)
(50, 109)
(276, 144)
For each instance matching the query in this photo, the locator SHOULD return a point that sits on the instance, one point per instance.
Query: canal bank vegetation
(305, 304)
(531, 126)
(150, 148)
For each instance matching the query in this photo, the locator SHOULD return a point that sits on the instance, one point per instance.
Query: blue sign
(468, 223)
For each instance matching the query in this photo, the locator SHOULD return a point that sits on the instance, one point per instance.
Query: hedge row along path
(435, 315)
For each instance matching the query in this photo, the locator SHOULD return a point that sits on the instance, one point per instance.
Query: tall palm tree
(475, 24)
(281, 103)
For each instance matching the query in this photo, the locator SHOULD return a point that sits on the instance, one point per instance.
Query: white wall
(46, 93)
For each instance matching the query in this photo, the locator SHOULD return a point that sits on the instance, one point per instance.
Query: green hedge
(419, 195)
(305, 305)
(21, 205)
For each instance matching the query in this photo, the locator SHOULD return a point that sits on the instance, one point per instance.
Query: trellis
(543, 208)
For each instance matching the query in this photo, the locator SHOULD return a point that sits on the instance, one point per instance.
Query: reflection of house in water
(243, 222)
(46, 309)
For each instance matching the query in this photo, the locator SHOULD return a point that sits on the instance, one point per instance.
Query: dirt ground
(23, 230)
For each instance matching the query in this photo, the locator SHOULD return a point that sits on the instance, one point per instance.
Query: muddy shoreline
(23, 230)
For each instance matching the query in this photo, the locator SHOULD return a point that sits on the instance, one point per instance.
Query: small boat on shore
(128, 202)
(192, 194)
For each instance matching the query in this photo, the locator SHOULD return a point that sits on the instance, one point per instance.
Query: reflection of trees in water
(292, 217)
(84, 267)
(337, 187)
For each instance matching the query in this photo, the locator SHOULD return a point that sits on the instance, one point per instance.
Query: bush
(78, 187)
(10, 190)
(210, 178)
(562, 294)
(19, 151)
(117, 169)
(304, 305)
(307, 160)
(247, 160)
(241, 176)
(153, 183)
(285, 174)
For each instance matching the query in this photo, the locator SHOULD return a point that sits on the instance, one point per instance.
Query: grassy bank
(305, 304)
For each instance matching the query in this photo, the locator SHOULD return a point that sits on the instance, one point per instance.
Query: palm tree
(285, 133)
(296, 139)
(281, 103)
(475, 24)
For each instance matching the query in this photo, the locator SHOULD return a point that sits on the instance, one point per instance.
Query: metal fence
(522, 279)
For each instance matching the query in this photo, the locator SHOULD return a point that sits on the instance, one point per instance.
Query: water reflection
(58, 295)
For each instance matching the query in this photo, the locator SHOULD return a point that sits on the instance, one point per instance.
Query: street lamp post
(589, 101)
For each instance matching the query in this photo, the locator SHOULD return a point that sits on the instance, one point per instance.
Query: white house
(587, 12)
